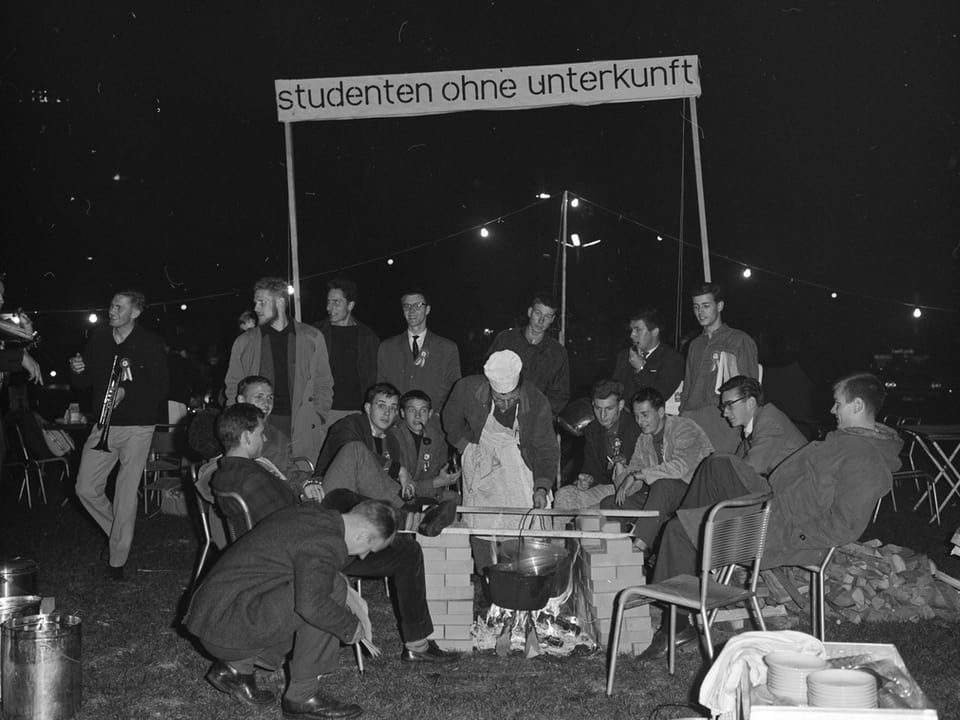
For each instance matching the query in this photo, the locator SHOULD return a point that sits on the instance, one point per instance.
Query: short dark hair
(380, 515)
(252, 380)
(649, 317)
(137, 299)
(347, 287)
(273, 285)
(647, 394)
(865, 386)
(236, 420)
(415, 291)
(412, 395)
(380, 389)
(247, 316)
(708, 289)
(605, 387)
(749, 387)
(546, 299)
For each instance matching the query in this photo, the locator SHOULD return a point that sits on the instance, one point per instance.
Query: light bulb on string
(389, 261)
(290, 291)
(917, 313)
(484, 232)
(833, 295)
(92, 318)
(747, 272)
(183, 306)
(575, 202)
(575, 240)
(543, 196)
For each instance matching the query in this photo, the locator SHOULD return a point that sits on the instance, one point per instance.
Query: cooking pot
(18, 576)
(533, 557)
(505, 586)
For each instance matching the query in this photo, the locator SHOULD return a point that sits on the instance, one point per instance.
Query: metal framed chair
(734, 534)
(37, 464)
(236, 513)
(163, 462)
(817, 614)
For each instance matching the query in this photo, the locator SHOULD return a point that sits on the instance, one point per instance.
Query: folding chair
(163, 461)
(235, 512)
(734, 533)
(37, 464)
(203, 507)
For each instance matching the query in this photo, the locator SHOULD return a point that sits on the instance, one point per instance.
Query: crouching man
(280, 587)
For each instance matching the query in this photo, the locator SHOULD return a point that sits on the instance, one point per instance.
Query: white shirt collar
(420, 338)
(748, 428)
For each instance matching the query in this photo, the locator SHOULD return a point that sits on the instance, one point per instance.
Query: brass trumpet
(118, 372)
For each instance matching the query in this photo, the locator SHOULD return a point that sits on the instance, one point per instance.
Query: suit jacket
(685, 444)
(663, 370)
(312, 394)
(774, 438)
(466, 413)
(356, 428)
(595, 447)
(424, 465)
(283, 572)
(437, 371)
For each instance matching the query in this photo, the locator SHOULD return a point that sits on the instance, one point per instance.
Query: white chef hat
(503, 370)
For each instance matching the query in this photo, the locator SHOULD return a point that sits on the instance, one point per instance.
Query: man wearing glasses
(419, 359)
(545, 362)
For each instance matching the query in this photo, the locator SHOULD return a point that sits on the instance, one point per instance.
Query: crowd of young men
(330, 431)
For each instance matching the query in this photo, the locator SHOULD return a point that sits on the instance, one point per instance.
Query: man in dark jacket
(648, 362)
(281, 587)
(141, 393)
(608, 442)
(352, 347)
(823, 494)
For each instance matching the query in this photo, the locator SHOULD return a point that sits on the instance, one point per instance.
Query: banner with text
(518, 88)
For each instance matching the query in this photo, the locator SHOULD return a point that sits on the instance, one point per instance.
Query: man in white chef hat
(503, 427)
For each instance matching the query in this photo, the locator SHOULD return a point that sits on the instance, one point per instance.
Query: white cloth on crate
(494, 475)
(745, 652)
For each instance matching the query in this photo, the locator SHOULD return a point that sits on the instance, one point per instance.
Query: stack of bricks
(447, 565)
(605, 568)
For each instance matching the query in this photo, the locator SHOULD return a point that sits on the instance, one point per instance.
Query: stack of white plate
(842, 689)
(787, 674)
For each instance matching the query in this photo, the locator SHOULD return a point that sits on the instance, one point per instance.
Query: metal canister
(18, 577)
(41, 669)
(15, 607)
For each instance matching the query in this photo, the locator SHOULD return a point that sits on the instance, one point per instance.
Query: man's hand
(445, 479)
(539, 498)
(25, 322)
(407, 489)
(32, 367)
(584, 481)
(312, 490)
(626, 488)
(76, 364)
(637, 362)
(120, 393)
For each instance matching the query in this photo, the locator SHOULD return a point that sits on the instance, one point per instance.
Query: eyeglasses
(407, 307)
(725, 405)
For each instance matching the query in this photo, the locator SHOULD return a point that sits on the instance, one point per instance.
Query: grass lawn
(137, 663)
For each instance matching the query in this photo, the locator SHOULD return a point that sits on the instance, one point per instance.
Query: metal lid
(17, 566)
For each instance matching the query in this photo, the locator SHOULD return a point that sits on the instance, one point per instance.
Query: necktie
(416, 347)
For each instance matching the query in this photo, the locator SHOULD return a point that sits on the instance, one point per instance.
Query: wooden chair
(734, 533)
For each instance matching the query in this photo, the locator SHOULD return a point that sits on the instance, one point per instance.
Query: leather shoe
(433, 654)
(114, 572)
(658, 645)
(241, 687)
(319, 706)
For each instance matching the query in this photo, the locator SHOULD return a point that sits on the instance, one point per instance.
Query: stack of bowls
(787, 674)
(842, 689)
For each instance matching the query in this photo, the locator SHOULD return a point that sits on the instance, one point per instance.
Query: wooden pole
(701, 208)
(563, 276)
(292, 205)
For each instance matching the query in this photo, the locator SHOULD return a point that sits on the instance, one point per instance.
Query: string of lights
(483, 229)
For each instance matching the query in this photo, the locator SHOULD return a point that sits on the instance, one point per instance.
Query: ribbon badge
(422, 360)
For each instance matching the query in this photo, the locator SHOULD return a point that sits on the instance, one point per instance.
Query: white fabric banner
(517, 88)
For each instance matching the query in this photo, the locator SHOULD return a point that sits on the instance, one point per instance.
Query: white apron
(494, 475)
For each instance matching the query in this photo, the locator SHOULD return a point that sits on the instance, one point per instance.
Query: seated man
(423, 448)
(607, 440)
(823, 495)
(240, 430)
(666, 455)
(369, 427)
(281, 588)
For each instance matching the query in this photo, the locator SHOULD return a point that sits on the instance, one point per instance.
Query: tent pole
(292, 205)
(702, 210)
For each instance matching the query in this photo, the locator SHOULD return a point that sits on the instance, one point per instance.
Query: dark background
(830, 158)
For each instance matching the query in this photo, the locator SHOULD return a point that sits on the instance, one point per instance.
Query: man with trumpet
(128, 396)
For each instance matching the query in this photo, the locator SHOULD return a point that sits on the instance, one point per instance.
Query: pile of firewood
(869, 582)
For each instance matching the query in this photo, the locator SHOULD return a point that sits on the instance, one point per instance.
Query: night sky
(140, 145)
